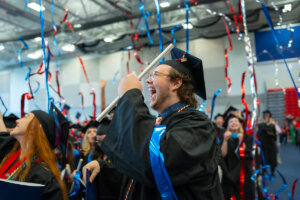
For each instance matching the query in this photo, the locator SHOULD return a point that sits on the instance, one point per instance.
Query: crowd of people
(131, 154)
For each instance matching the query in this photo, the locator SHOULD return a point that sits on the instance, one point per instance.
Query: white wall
(72, 80)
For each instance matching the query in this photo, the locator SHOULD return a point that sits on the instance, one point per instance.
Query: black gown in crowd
(37, 173)
(267, 136)
(189, 146)
(231, 166)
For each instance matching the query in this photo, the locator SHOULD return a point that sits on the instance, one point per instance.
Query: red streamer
(28, 97)
(294, 187)
(234, 17)
(82, 66)
(3, 11)
(94, 104)
(229, 83)
(57, 82)
(66, 21)
(82, 104)
(241, 148)
(127, 64)
(240, 15)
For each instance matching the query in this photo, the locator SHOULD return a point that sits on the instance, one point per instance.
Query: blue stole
(160, 173)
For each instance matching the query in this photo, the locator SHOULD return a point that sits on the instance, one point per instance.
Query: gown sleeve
(6, 144)
(189, 145)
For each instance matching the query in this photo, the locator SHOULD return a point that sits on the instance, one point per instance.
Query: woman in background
(231, 163)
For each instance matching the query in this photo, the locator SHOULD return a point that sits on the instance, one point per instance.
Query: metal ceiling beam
(15, 11)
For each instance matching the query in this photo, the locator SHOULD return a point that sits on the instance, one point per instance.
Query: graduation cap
(102, 128)
(228, 111)
(267, 112)
(191, 66)
(67, 107)
(218, 115)
(91, 124)
(76, 126)
(10, 120)
(62, 129)
(230, 116)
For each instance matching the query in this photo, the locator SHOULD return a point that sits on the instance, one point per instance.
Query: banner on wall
(265, 41)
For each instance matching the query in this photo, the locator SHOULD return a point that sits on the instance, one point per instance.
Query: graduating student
(189, 144)
(30, 157)
(231, 164)
(267, 136)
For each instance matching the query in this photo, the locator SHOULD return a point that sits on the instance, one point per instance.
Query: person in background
(297, 132)
(231, 164)
(267, 136)
(219, 120)
(285, 132)
(88, 144)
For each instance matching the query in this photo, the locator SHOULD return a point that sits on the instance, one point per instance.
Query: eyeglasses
(154, 74)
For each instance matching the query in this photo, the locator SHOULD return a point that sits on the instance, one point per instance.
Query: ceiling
(95, 20)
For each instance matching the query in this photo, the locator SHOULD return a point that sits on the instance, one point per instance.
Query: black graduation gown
(267, 136)
(231, 166)
(37, 173)
(6, 144)
(189, 146)
(42, 175)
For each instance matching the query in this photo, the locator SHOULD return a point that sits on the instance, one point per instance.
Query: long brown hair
(39, 147)
(186, 90)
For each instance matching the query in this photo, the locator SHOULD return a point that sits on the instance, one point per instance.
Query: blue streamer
(187, 9)
(20, 58)
(37, 89)
(23, 41)
(28, 74)
(161, 43)
(115, 78)
(202, 107)
(25, 6)
(44, 54)
(173, 34)
(269, 20)
(213, 103)
(3, 106)
(76, 183)
(142, 9)
(160, 173)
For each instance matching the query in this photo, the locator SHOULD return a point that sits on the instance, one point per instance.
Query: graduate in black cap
(34, 138)
(189, 144)
(267, 136)
(231, 164)
(88, 143)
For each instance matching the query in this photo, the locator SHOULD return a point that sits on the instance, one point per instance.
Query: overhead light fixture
(37, 39)
(108, 39)
(77, 26)
(36, 7)
(35, 55)
(1, 47)
(164, 4)
(287, 8)
(68, 47)
(189, 26)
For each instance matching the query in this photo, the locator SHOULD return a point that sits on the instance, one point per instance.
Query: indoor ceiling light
(287, 8)
(77, 26)
(165, 4)
(35, 55)
(1, 47)
(108, 39)
(37, 39)
(189, 26)
(68, 47)
(36, 7)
